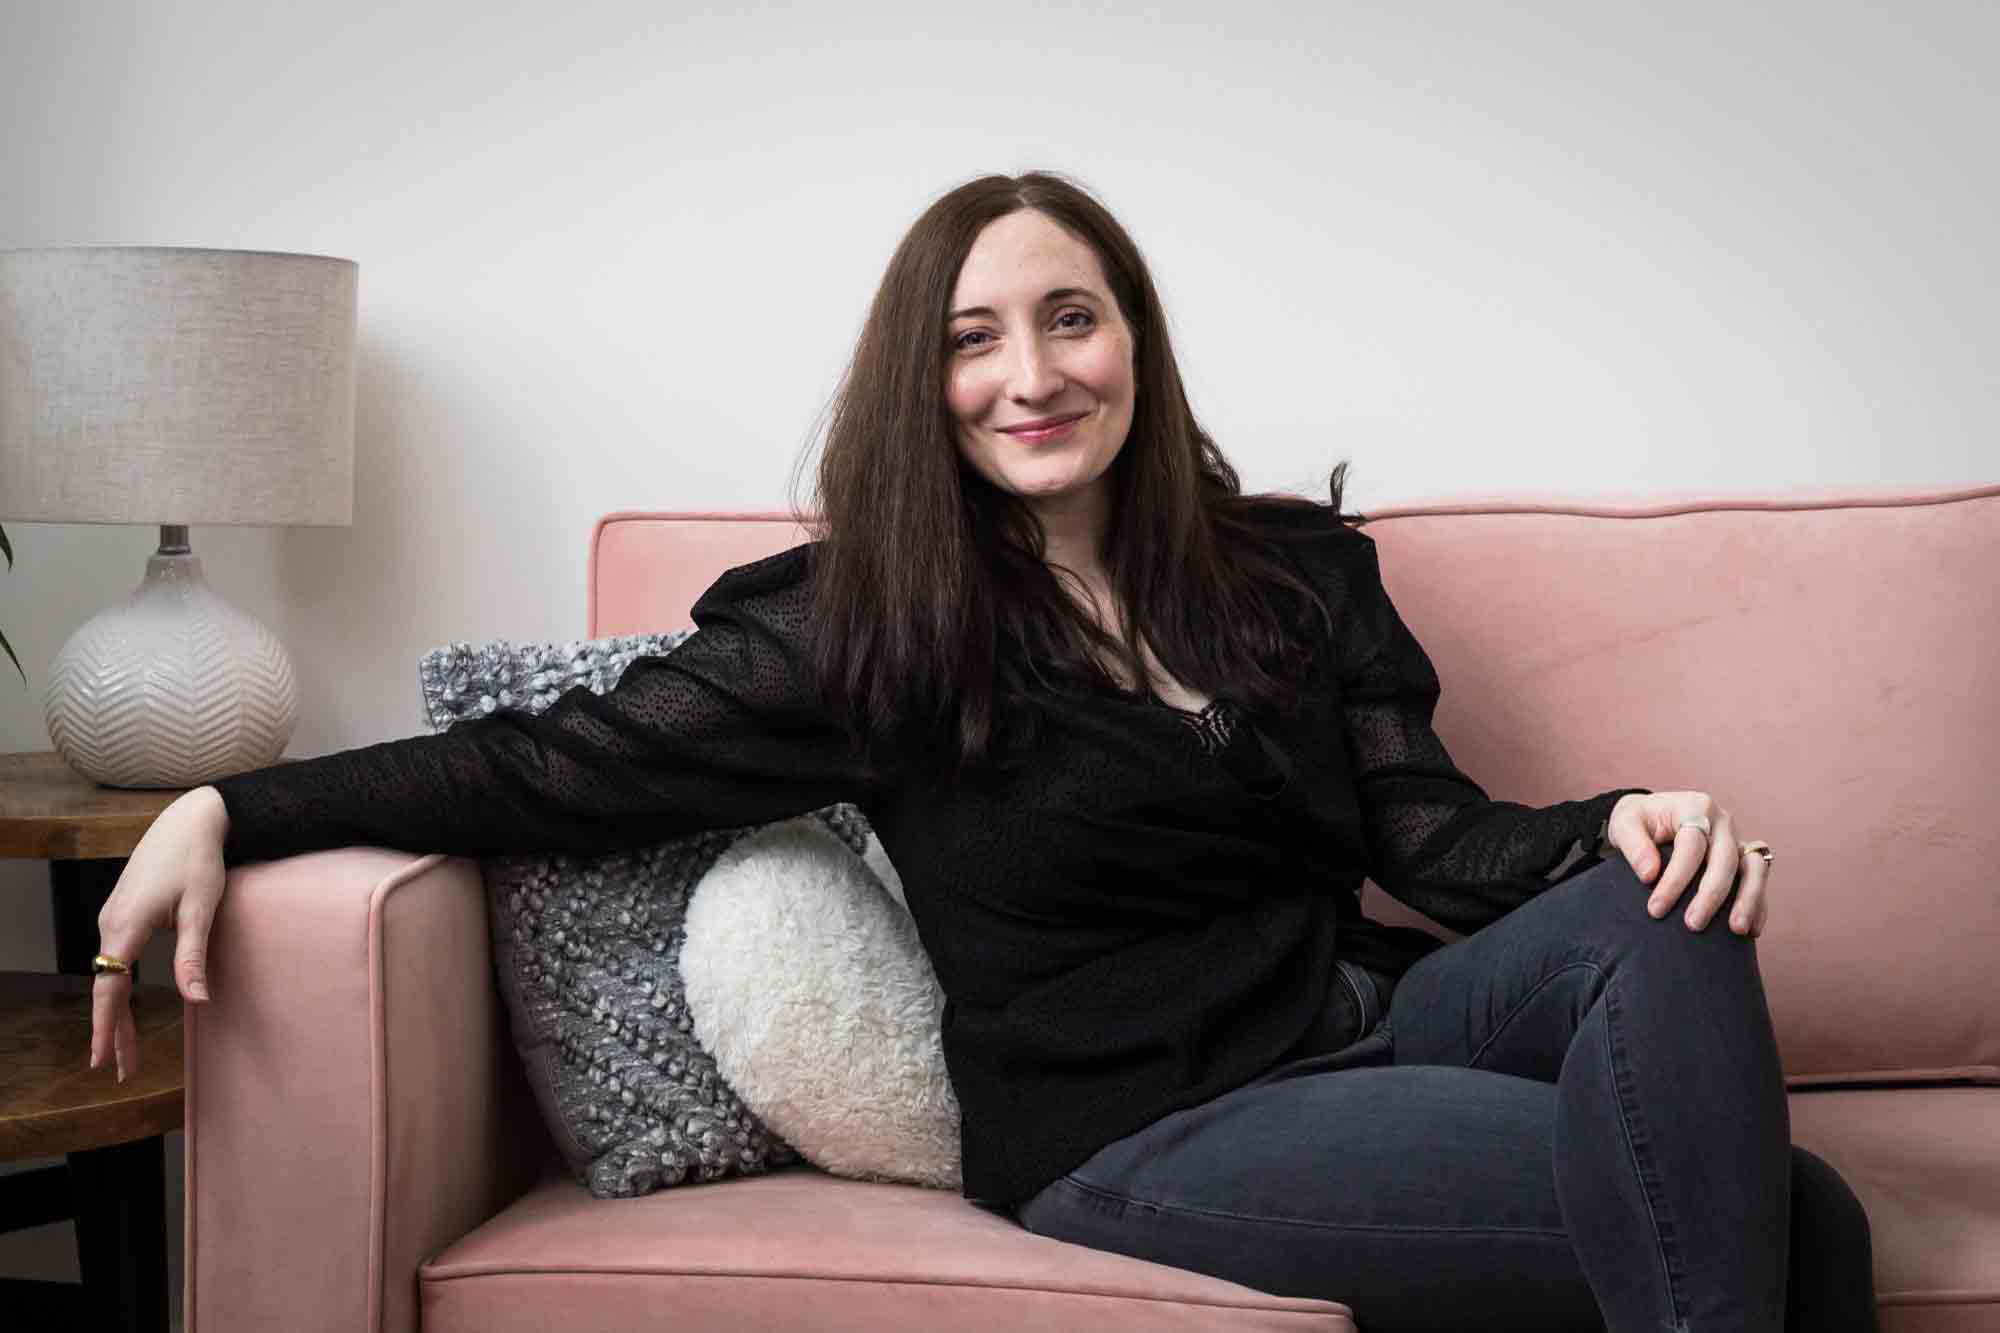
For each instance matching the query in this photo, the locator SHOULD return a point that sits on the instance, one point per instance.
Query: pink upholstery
(1827, 672)
(359, 1139)
(647, 569)
(353, 1101)
(799, 1249)
(1925, 1162)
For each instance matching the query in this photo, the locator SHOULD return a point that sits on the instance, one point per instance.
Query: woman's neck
(1073, 530)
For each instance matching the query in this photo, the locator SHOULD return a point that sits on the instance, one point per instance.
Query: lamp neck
(173, 539)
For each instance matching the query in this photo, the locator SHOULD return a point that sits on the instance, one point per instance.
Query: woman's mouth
(1042, 436)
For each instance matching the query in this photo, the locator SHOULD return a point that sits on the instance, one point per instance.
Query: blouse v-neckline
(1214, 725)
(1229, 738)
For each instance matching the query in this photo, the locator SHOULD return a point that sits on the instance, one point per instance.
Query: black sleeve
(1435, 840)
(719, 733)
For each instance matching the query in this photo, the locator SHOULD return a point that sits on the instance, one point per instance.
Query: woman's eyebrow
(1056, 295)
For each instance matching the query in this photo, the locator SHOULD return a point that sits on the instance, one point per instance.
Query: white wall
(615, 254)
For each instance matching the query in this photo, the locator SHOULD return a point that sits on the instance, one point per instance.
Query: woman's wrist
(208, 805)
(1603, 845)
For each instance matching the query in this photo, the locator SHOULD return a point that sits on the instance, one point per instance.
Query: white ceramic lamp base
(175, 688)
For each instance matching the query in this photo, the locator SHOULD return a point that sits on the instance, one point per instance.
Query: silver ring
(1700, 822)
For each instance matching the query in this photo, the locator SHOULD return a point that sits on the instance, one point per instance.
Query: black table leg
(120, 1201)
(117, 1194)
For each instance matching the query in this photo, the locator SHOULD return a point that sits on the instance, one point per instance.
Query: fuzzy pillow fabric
(808, 985)
(622, 1052)
(462, 680)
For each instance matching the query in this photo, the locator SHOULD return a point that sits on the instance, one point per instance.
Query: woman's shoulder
(1316, 534)
(775, 588)
(778, 570)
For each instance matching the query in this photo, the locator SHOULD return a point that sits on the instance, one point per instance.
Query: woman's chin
(1043, 490)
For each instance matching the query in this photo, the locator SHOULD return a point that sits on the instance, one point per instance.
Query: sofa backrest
(647, 569)
(1826, 665)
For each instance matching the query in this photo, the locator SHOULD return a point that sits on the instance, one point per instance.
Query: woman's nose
(1035, 376)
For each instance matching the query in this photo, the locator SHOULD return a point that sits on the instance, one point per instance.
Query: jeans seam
(1627, 1113)
(1189, 1210)
(1523, 1003)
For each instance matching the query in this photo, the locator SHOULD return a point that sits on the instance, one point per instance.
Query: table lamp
(174, 386)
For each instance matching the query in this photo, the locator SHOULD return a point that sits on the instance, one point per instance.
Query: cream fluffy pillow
(807, 984)
(587, 955)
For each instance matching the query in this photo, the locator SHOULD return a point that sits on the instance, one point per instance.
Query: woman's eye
(961, 343)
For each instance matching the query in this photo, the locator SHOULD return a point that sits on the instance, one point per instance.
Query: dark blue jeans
(1573, 1118)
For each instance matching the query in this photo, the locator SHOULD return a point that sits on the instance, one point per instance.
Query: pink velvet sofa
(362, 1154)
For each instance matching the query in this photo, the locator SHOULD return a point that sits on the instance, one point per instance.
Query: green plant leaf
(8, 549)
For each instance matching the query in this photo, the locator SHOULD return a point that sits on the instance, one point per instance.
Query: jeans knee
(1616, 873)
(1609, 902)
(1609, 899)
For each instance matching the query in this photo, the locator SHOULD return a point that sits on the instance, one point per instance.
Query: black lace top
(1140, 919)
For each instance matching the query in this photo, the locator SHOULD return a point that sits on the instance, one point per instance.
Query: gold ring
(1762, 849)
(104, 962)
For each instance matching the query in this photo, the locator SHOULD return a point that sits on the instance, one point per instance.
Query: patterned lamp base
(176, 688)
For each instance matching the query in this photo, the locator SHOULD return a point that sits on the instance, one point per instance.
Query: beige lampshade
(161, 385)
(177, 387)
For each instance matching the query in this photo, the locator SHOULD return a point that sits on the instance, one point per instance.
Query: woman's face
(1035, 333)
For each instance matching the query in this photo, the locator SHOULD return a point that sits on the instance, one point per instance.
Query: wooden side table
(113, 1180)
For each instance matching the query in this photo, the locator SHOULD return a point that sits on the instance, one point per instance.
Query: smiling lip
(1045, 429)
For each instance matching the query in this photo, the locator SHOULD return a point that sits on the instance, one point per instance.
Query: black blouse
(1144, 916)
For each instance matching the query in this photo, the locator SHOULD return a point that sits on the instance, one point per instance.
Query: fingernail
(121, 1073)
(198, 991)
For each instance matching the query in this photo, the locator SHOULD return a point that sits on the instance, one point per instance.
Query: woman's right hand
(172, 879)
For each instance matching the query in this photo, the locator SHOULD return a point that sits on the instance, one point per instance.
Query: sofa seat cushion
(802, 1249)
(1925, 1163)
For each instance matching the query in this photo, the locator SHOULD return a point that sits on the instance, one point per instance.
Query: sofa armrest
(353, 1103)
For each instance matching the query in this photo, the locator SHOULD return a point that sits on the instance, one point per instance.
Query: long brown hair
(932, 604)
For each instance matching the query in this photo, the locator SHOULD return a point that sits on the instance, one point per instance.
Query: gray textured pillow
(586, 949)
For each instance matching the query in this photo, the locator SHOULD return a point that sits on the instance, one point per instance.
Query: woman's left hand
(1640, 824)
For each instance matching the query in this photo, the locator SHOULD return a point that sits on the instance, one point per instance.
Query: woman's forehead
(1020, 260)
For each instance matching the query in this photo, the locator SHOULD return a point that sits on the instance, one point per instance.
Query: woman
(1132, 740)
